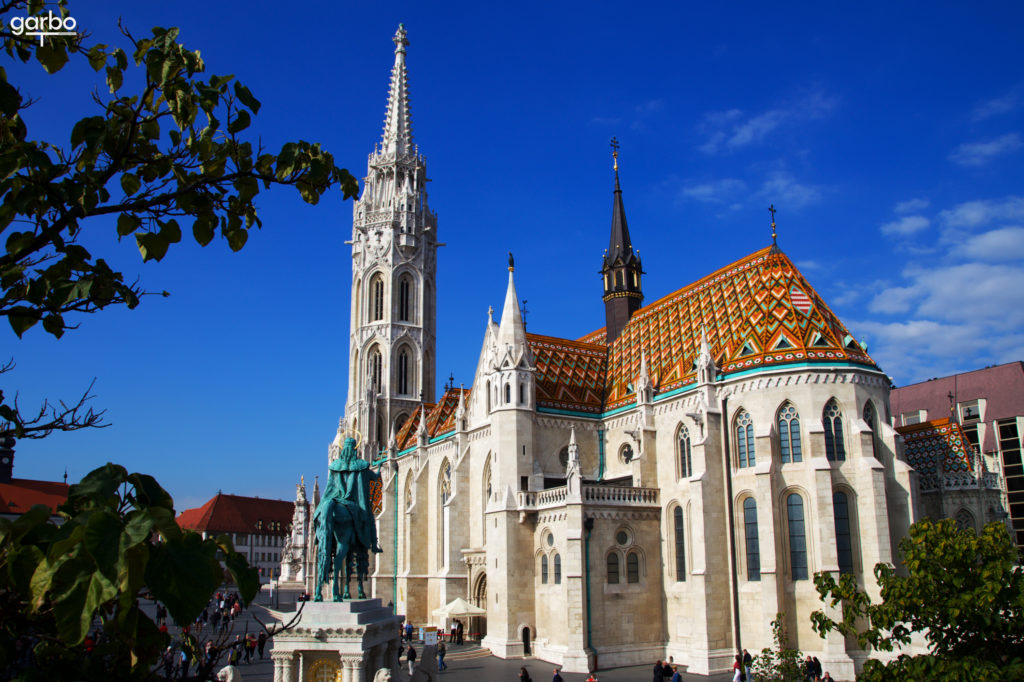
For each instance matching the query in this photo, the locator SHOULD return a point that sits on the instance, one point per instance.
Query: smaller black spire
(621, 269)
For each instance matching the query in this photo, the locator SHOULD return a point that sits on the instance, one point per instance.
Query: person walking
(747, 661)
(524, 675)
(557, 677)
(441, 651)
(737, 669)
(659, 672)
(410, 658)
(676, 677)
(261, 643)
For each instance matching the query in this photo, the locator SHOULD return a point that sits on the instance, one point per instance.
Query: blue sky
(889, 136)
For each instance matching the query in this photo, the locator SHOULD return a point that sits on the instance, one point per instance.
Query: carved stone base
(351, 640)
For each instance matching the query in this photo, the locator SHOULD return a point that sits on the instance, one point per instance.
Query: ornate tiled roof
(570, 374)
(442, 418)
(406, 436)
(937, 447)
(758, 312)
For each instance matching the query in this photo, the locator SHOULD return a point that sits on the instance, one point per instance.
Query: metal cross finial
(523, 310)
(771, 209)
(615, 152)
(511, 262)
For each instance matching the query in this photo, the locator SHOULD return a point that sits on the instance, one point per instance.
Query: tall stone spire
(393, 330)
(398, 121)
(511, 331)
(621, 268)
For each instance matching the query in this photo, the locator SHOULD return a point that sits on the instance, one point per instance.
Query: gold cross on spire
(771, 209)
(615, 152)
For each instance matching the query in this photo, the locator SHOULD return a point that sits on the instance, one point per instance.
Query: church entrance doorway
(526, 642)
(480, 599)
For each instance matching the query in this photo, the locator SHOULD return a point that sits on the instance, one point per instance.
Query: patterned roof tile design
(406, 436)
(442, 418)
(570, 374)
(759, 311)
(937, 447)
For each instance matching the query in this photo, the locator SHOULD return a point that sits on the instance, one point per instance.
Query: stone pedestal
(338, 641)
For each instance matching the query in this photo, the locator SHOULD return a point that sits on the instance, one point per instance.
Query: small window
(544, 569)
(912, 417)
(970, 411)
(550, 539)
(558, 569)
(508, 394)
(844, 543)
(613, 569)
(622, 537)
(871, 421)
(563, 456)
(632, 568)
(626, 453)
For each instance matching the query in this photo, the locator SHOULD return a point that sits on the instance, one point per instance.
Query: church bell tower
(394, 283)
(621, 269)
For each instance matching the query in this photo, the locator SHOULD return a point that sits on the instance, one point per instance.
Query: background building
(257, 527)
(987, 406)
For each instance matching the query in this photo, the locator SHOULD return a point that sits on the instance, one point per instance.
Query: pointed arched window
(685, 462)
(844, 542)
(832, 420)
(789, 434)
(872, 422)
(508, 394)
(403, 372)
(632, 567)
(374, 369)
(405, 291)
(750, 536)
(544, 568)
(745, 439)
(558, 569)
(797, 537)
(677, 522)
(376, 298)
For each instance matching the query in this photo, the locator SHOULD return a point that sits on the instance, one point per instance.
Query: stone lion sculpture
(382, 675)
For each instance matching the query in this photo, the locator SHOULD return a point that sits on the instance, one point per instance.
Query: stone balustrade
(593, 495)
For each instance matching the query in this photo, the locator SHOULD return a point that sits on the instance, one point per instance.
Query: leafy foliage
(963, 592)
(781, 664)
(118, 543)
(171, 157)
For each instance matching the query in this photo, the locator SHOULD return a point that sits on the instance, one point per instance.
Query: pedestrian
(557, 677)
(827, 678)
(809, 669)
(737, 669)
(591, 678)
(676, 677)
(441, 651)
(408, 631)
(817, 669)
(410, 657)
(250, 647)
(659, 672)
(236, 651)
(666, 670)
(524, 676)
(261, 643)
(747, 661)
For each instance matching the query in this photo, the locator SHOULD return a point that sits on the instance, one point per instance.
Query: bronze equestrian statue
(344, 526)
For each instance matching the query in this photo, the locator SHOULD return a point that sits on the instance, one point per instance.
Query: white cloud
(997, 245)
(907, 225)
(717, 191)
(782, 188)
(997, 105)
(912, 205)
(982, 212)
(727, 131)
(980, 153)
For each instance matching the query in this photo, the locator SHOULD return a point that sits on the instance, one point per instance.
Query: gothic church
(662, 486)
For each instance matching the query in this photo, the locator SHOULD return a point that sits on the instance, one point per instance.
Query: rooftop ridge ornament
(400, 39)
(615, 160)
(771, 209)
(511, 262)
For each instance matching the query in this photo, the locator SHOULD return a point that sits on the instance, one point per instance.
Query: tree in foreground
(171, 155)
(963, 592)
(118, 544)
(781, 664)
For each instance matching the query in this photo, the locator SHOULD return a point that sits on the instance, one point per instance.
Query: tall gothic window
(797, 537)
(508, 394)
(745, 439)
(677, 519)
(872, 422)
(544, 568)
(375, 366)
(403, 372)
(789, 434)
(613, 568)
(405, 299)
(558, 569)
(685, 463)
(632, 567)
(376, 298)
(844, 542)
(750, 535)
(444, 489)
(832, 420)
(446, 482)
